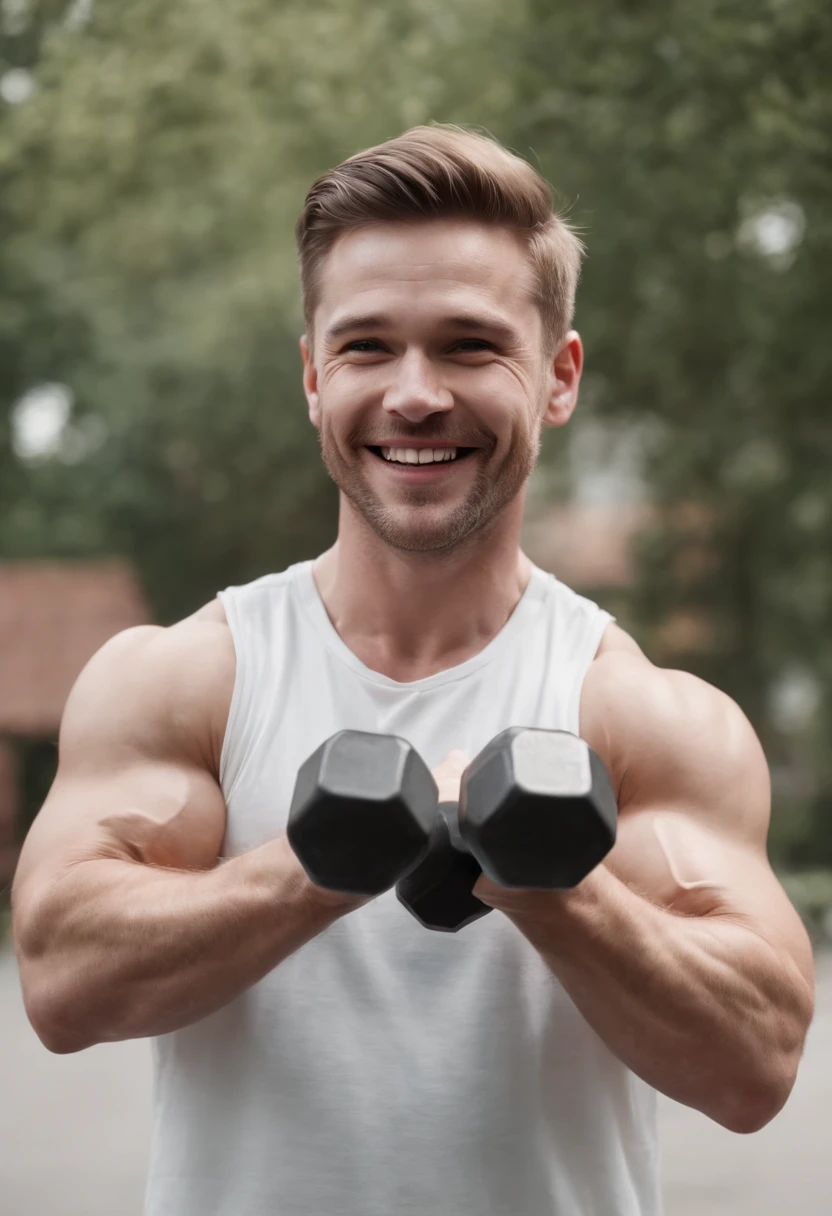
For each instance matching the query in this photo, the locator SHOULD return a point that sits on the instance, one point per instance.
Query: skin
(444, 564)
(681, 949)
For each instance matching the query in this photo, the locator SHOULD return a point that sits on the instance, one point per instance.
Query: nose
(416, 390)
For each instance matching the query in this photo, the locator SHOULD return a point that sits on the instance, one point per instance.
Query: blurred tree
(148, 189)
(21, 33)
(698, 139)
(150, 186)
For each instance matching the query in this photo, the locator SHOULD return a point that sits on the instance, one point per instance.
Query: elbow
(55, 1030)
(49, 1016)
(56, 1039)
(57, 1033)
(749, 1108)
(757, 1096)
(49, 1001)
(746, 1118)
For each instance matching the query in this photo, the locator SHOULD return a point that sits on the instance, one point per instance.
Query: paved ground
(74, 1131)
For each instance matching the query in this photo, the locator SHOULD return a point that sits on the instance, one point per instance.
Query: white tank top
(383, 1069)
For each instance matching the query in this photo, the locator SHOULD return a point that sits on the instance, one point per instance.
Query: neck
(409, 615)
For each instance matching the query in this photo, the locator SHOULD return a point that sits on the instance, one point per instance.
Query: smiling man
(452, 306)
(321, 1054)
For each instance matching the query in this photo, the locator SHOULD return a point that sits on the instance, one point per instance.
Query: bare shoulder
(167, 688)
(694, 799)
(138, 757)
(212, 611)
(669, 738)
(617, 641)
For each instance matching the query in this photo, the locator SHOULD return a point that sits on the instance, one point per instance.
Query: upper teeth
(418, 455)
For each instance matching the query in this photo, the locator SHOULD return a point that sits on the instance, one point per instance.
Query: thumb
(448, 775)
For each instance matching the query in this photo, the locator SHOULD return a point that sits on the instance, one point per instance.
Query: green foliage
(148, 191)
(697, 140)
(151, 186)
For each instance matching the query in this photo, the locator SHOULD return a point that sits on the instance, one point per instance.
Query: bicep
(681, 863)
(694, 802)
(158, 813)
(127, 785)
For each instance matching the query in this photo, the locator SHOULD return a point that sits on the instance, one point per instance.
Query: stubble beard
(417, 523)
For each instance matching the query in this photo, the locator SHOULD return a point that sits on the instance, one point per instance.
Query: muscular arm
(681, 950)
(124, 924)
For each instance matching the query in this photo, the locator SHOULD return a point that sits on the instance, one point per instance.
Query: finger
(454, 764)
(448, 776)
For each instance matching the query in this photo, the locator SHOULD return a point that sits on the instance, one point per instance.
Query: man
(318, 1053)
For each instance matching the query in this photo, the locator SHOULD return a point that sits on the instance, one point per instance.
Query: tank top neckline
(310, 598)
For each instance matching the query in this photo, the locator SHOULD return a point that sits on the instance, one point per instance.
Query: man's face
(429, 383)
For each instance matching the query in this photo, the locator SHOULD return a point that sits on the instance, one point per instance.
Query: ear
(310, 382)
(564, 377)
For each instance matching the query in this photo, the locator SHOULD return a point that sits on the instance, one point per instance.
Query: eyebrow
(481, 323)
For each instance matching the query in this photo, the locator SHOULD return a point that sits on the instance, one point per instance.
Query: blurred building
(53, 617)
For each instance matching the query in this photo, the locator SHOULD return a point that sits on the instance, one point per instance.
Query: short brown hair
(437, 172)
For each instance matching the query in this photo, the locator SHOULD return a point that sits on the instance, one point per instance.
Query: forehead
(414, 265)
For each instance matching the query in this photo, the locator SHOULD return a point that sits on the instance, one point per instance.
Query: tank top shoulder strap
(578, 625)
(258, 615)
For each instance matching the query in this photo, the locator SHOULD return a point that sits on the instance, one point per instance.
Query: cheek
(502, 397)
(340, 393)
(355, 378)
(347, 392)
(516, 427)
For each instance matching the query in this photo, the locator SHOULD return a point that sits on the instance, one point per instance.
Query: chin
(439, 536)
(420, 542)
(427, 527)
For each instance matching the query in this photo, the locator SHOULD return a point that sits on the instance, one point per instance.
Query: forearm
(120, 950)
(700, 1007)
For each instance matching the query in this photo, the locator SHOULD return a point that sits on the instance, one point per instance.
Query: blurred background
(154, 445)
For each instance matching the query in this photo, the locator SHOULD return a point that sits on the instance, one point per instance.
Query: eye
(473, 345)
(363, 346)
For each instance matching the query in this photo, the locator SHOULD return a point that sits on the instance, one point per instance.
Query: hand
(448, 775)
(523, 901)
(488, 892)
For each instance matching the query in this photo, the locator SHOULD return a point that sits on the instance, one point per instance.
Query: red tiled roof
(53, 618)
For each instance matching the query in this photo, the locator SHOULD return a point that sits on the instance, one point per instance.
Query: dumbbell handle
(439, 890)
(450, 813)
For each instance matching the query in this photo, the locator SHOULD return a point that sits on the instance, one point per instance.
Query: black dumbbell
(536, 810)
(438, 891)
(362, 812)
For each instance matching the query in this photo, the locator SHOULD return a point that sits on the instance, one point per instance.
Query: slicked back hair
(443, 172)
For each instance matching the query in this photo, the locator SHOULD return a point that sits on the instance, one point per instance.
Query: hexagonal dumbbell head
(439, 890)
(362, 812)
(537, 809)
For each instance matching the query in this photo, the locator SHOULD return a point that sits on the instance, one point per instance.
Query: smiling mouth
(415, 457)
